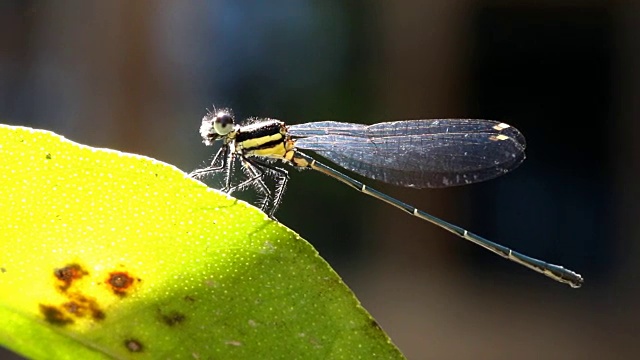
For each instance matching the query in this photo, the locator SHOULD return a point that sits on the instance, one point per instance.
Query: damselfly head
(216, 125)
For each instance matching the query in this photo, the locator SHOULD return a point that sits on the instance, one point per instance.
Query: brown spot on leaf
(55, 316)
(120, 282)
(173, 318)
(77, 306)
(81, 306)
(68, 274)
(133, 345)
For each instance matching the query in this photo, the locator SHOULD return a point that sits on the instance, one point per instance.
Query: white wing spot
(499, 137)
(501, 126)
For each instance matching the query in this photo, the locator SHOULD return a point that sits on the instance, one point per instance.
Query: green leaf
(105, 254)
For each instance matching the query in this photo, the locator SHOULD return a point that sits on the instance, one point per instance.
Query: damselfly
(412, 153)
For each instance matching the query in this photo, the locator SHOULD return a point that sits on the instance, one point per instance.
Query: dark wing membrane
(418, 153)
(406, 127)
(328, 128)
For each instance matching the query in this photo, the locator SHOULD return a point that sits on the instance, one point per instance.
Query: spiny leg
(224, 152)
(231, 158)
(226, 167)
(282, 177)
(256, 173)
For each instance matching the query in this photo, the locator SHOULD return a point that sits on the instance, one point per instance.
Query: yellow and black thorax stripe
(267, 139)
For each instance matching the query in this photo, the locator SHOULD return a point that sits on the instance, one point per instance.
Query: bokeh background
(137, 76)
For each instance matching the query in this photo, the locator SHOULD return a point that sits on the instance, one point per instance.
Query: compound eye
(223, 124)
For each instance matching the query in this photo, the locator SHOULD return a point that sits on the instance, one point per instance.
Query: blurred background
(138, 77)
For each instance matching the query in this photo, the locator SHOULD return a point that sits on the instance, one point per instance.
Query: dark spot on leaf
(98, 315)
(73, 307)
(48, 156)
(120, 282)
(77, 306)
(68, 274)
(173, 318)
(55, 316)
(81, 306)
(375, 325)
(133, 345)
